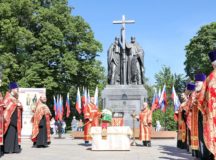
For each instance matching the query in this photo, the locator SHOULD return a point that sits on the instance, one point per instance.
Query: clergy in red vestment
(207, 105)
(145, 118)
(1, 124)
(12, 120)
(199, 79)
(181, 142)
(91, 117)
(41, 123)
(187, 113)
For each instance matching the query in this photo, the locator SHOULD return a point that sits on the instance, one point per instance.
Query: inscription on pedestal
(124, 98)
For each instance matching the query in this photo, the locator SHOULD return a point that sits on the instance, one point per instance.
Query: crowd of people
(196, 119)
(43, 125)
(11, 122)
(197, 116)
(58, 126)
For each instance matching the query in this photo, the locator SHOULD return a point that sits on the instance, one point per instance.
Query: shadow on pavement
(175, 152)
(85, 145)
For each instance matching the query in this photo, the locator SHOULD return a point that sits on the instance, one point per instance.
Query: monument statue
(123, 76)
(113, 62)
(125, 92)
(135, 63)
(125, 60)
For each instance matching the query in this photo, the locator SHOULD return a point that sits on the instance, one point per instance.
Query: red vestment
(194, 123)
(181, 124)
(1, 119)
(207, 105)
(40, 111)
(11, 103)
(145, 118)
(91, 116)
(188, 109)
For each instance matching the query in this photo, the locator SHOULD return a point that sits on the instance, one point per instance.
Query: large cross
(123, 41)
(123, 22)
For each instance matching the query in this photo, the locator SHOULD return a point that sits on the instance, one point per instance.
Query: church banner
(28, 97)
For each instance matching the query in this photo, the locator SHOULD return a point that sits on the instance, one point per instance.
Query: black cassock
(42, 135)
(1, 151)
(205, 154)
(11, 137)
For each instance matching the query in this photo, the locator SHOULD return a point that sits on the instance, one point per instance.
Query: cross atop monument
(123, 44)
(123, 22)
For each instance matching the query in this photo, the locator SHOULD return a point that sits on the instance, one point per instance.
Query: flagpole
(165, 121)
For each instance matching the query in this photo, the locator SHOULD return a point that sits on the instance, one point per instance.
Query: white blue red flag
(176, 102)
(67, 106)
(155, 101)
(88, 98)
(78, 101)
(163, 100)
(55, 107)
(96, 97)
(84, 97)
(60, 107)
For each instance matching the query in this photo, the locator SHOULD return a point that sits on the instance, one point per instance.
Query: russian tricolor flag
(163, 100)
(155, 101)
(96, 97)
(84, 97)
(55, 107)
(78, 102)
(88, 98)
(176, 102)
(67, 106)
(60, 108)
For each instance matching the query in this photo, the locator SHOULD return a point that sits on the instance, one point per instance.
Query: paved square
(67, 149)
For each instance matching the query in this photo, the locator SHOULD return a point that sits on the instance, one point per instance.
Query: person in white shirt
(158, 126)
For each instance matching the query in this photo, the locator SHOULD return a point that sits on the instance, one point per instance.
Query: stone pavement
(67, 149)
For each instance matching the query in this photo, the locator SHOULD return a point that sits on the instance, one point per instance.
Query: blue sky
(163, 27)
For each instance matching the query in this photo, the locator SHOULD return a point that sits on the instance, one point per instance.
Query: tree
(150, 90)
(197, 51)
(43, 45)
(165, 76)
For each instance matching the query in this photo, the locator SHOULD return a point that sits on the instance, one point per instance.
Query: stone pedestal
(124, 98)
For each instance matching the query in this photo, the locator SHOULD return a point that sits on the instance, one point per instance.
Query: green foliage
(166, 119)
(165, 76)
(197, 51)
(43, 45)
(150, 90)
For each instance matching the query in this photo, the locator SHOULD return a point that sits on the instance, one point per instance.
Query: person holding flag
(91, 117)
